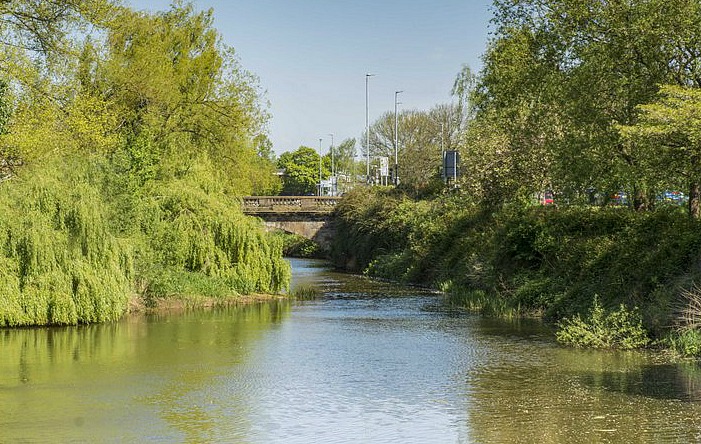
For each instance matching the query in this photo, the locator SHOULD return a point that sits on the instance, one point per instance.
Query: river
(367, 362)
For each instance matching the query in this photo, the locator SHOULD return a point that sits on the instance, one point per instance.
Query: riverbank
(525, 260)
(138, 306)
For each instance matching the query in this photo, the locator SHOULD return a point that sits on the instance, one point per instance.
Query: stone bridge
(308, 216)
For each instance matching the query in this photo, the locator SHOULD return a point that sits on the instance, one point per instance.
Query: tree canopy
(301, 171)
(125, 138)
(560, 79)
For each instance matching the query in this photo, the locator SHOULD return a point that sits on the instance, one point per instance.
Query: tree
(182, 95)
(669, 134)
(301, 175)
(559, 76)
(345, 164)
(422, 136)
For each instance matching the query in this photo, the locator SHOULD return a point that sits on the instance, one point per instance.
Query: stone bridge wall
(307, 216)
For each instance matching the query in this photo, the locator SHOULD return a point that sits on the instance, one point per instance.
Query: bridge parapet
(289, 204)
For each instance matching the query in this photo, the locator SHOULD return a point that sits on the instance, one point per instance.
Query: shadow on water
(680, 382)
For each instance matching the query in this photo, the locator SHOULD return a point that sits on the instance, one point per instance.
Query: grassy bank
(525, 260)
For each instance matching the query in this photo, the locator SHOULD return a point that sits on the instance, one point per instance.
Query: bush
(601, 329)
(294, 245)
(686, 342)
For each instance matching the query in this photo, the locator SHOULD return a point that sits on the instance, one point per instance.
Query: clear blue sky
(312, 55)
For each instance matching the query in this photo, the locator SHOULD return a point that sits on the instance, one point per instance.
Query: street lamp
(333, 175)
(396, 140)
(320, 166)
(367, 128)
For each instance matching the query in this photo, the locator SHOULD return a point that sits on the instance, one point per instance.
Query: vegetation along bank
(119, 131)
(607, 276)
(593, 109)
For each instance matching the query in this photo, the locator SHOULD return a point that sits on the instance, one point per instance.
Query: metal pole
(333, 174)
(443, 158)
(396, 140)
(320, 166)
(367, 128)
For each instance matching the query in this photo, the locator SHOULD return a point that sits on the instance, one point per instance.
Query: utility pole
(396, 140)
(367, 128)
(333, 179)
(319, 166)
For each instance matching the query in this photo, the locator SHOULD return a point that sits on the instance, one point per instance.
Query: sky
(312, 57)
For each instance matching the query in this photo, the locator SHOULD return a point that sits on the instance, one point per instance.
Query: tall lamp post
(333, 174)
(367, 128)
(320, 166)
(396, 140)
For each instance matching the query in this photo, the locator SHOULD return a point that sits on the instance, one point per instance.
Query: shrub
(685, 342)
(621, 328)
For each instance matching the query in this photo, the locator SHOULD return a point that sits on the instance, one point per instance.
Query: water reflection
(150, 372)
(681, 382)
(534, 392)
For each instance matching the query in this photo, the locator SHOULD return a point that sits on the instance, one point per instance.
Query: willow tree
(134, 141)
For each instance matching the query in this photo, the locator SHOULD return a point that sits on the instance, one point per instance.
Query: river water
(367, 362)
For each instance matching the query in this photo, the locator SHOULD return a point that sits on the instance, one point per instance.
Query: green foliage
(621, 328)
(685, 342)
(306, 293)
(421, 136)
(301, 171)
(535, 260)
(60, 263)
(196, 231)
(294, 245)
(560, 79)
(478, 301)
(135, 147)
(669, 136)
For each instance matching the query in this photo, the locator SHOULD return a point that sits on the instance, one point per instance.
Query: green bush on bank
(60, 264)
(521, 260)
(294, 245)
(621, 328)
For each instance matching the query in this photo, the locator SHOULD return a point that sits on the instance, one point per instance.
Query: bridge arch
(308, 216)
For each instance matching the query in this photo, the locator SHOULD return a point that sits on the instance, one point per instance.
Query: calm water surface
(368, 362)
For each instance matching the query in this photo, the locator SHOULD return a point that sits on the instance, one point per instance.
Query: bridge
(256, 205)
(307, 216)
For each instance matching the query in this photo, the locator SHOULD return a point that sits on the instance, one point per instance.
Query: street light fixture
(396, 140)
(367, 128)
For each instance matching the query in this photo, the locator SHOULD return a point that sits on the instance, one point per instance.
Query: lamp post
(396, 140)
(333, 175)
(367, 128)
(320, 166)
(445, 173)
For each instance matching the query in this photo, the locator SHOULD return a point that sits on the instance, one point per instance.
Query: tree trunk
(694, 200)
(641, 202)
